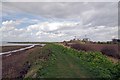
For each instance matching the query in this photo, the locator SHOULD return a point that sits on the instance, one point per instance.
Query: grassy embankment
(61, 62)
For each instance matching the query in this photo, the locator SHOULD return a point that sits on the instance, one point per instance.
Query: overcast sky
(58, 21)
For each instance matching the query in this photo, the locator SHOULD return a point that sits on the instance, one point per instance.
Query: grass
(62, 66)
(36, 63)
(69, 63)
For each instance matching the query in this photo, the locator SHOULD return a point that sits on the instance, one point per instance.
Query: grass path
(56, 61)
(63, 65)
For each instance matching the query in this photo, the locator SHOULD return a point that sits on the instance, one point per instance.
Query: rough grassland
(69, 63)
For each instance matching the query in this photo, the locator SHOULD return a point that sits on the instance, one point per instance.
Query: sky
(59, 21)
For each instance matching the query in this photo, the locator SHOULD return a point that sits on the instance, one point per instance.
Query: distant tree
(99, 42)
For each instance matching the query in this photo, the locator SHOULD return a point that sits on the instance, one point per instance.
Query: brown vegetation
(107, 49)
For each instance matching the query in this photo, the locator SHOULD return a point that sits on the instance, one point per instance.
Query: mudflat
(13, 64)
(10, 48)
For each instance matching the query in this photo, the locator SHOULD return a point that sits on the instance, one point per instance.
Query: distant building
(116, 40)
(86, 39)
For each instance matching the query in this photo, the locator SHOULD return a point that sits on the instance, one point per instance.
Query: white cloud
(97, 20)
(9, 25)
(51, 26)
(37, 31)
(52, 31)
(97, 13)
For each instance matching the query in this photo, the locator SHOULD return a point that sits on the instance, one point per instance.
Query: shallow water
(16, 44)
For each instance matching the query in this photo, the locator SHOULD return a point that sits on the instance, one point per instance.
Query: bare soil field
(106, 49)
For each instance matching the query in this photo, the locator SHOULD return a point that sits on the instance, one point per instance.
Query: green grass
(62, 65)
(36, 58)
(69, 63)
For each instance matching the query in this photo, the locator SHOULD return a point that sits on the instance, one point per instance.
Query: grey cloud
(60, 1)
(105, 12)
(94, 13)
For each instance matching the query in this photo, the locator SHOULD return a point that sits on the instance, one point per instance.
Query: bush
(110, 52)
(80, 47)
